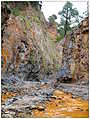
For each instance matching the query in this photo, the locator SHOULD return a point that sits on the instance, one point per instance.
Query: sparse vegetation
(16, 6)
(32, 57)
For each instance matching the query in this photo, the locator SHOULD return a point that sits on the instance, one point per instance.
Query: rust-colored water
(63, 105)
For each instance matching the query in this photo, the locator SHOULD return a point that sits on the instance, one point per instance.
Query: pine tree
(69, 16)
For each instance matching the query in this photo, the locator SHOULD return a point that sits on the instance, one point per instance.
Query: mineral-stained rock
(75, 60)
(27, 48)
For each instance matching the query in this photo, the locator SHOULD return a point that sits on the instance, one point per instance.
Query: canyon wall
(81, 51)
(28, 50)
(74, 49)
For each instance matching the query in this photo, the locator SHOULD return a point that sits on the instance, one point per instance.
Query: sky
(49, 8)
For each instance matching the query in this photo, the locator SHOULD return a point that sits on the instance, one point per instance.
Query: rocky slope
(28, 50)
(74, 49)
(81, 50)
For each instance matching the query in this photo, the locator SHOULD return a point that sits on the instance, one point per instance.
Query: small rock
(81, 110)
(54, 97)
(40, 108)
(12, 113)
(86, 109)
(7, 116)
(33, 107)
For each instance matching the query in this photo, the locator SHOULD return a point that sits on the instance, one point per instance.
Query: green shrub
(59, 37)
(15, 11)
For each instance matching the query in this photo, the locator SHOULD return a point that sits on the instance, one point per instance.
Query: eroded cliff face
(81, 51)
(74, 49)
(27, 47)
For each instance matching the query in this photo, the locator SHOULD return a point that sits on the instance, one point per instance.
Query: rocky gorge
(36, 72)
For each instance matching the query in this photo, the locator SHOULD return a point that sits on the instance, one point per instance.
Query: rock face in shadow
(27, 48)
(75, 54)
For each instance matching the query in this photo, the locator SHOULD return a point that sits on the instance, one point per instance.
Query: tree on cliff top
(52, 19)
(69, 16)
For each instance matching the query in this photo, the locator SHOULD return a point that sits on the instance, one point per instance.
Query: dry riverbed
(41, 99)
